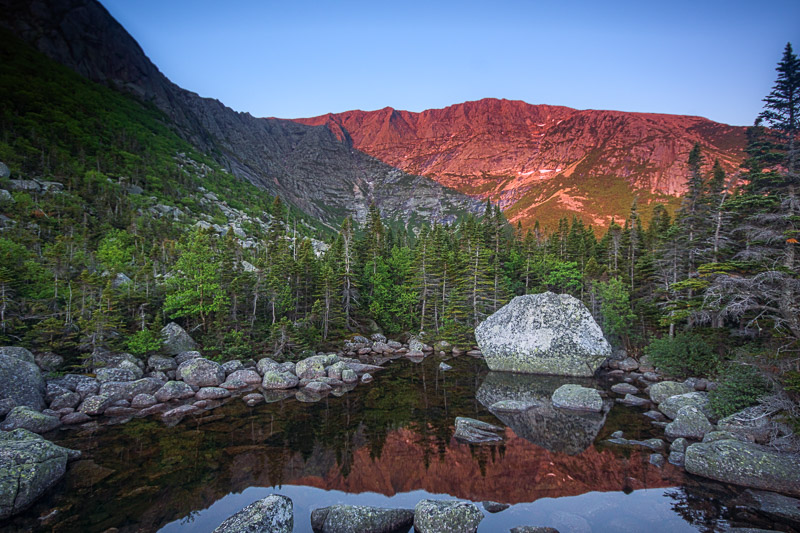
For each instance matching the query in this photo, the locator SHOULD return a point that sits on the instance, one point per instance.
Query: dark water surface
(388, 443)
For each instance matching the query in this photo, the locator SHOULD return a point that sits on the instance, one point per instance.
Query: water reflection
(389, 441)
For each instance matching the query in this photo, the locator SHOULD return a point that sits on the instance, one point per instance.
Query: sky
(298, 58)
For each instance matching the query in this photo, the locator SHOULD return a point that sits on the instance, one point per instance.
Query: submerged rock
(773, 505)
(29, 466)
(273, 513)
(476, 432)
(533, 529)
(543, 334)
(495, 507)
(446, 516)
(577, 398)
(360, 519)
(743, 463)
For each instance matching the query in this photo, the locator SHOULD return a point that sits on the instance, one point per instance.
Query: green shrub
(687, 354)
(144, 342)
(739, 386)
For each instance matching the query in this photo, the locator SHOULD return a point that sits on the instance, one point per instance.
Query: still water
(388, 443)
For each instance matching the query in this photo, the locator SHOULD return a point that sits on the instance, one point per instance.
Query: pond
(388, 443)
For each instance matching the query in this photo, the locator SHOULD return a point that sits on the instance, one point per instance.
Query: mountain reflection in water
(387, 443)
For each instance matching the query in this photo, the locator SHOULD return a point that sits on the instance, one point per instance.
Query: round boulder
(274, 513)
(452, 516)
(201, 373)
(577, 398)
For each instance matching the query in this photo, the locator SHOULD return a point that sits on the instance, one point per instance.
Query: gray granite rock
(272, 514)
(476, 431)
(543, 334)
(29, 466)
(446, 516)
(21, 381)
(577, 398)
(176, 340)
(689, 423)
(23, 417)
(360, 519)
(201, 373)
(664, 389)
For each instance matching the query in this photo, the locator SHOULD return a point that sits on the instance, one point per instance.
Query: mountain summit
(542, 160)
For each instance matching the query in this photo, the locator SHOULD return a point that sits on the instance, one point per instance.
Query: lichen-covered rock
(29, 466)
(267, 364)
(673, 404)
(95, 405)
(624, 388)
(776, 506)
(48, 361)
(23, 417)
(446, 516)
(543, 334)
(689, 423)
(180, 411)
(274, 514)
(212, 393)
(629, 364)
(22, 381)
(126, 390)
(665, 389)
(476, 431)
(160, 363)
(247, 375)
(746, 464)
(349, 376)
(360, 519)
(279, 380)
(442, 346)
(201, 373)
(104, 375)
(314, 366)
(185, 356)
(68, 399)
(17, 352)
(174, 390)
(318, 387)
(577, 398)
(143, 401)
(232, 366)
(176, 340)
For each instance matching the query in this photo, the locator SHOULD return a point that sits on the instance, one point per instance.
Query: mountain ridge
(307, 166)
(512, 151)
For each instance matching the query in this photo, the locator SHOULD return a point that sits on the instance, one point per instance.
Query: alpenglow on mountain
(539, 162)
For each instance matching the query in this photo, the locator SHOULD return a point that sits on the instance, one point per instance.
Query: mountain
(542, 161)
(309, 167)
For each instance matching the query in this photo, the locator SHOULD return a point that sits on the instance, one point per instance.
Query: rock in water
(450, 516)
(577, 398)
(23, 417)
(21, 381)
(274, 514)
(476, 432)
(201, 373)
(543, 334)
(743, 463)
(360, 519)
(29, 466)
(176, 340)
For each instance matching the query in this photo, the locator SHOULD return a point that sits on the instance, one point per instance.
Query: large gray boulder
(543, 334)
(18, 352)
(744, 463)
(176, 340)
(446, 516)
(273, 513)
(360, 519)
(666, 389)
(29, 466)
(22, 382)
(22, 417)
(201, 373)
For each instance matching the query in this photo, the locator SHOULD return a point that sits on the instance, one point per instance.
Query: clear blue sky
(297, 58)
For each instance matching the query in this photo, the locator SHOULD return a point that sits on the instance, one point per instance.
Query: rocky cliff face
(311, 167)
(540, 159)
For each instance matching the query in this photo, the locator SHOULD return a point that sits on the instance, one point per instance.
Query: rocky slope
(541, 160)
(307, 166)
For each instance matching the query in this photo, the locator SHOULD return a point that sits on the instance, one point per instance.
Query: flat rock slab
(476, 432)
(775, 506)
(360, 519)
(742, 463)
(624, 388)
